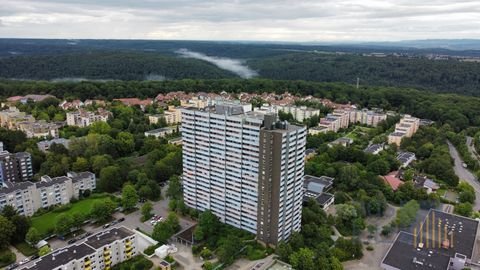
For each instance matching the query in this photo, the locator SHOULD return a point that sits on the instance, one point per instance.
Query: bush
(370, 248)
(387, 230)
(136, 263)
(6, 257)
(151, 249)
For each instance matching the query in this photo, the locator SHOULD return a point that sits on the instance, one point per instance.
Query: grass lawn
(26, 249)
(45, 223)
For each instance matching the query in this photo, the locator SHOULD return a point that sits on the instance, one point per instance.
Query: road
(465, 174)
(471, 148)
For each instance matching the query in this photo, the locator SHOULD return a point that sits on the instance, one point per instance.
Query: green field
(45, 223)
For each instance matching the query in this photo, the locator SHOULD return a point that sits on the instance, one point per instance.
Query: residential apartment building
(407, 126)
(44, 146)
(343, 118)
(40, 129)
(15, 167)
(27, 197)
(246, 167)
(13, 119)
(172, 116)
(99, 251)
(82, 118)
(160, 132)
(299, 113)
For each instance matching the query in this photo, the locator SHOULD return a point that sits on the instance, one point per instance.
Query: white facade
(100, 251)
(221, 163)
(28, 197)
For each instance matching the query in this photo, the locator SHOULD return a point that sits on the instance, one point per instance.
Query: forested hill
(441, 76)
(108, 65)
(458, 111)
(157, 60)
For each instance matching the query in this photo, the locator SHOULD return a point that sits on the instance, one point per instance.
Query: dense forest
(442, 76)
(108, 65)
(158, 60)
(458, 111)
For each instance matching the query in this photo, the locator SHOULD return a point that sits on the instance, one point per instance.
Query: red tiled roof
(391, 180)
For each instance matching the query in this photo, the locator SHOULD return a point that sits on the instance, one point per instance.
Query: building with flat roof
(407, 126)
(443, 241)
(27, 197)
(374, 149)
(160, 132)
(84, 118)
(405, 158)
(100, 251)
(246, 167)
(317, 188)
(15, 167)
(45, 145)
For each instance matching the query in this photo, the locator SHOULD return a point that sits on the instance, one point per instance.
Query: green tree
(303, 259)
(33, 236)
(44, 250)
(80, 165)
(22, 224)
(100, 127)
(111, 179)
(102, 211)
(129, 197)
(464, 209)
(208, 224)
(7, 229)
(63, 224)
(147, 210)
(407, 214)
(228, 248)
(174, 190)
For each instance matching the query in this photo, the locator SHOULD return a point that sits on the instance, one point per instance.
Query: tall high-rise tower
(246, 167)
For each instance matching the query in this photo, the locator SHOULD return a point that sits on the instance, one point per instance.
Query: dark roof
(62, 257)
(324, 198)
(80, 176)
(372, 148)
(404, 255)
(53, 181)
(11, 187)
(101, 239)
(325, 181)
(310, 151)
(403, 157)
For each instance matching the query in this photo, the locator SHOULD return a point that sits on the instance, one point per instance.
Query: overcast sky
(269, 20)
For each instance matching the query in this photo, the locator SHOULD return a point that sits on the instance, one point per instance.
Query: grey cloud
(233, 65)
(303, 20)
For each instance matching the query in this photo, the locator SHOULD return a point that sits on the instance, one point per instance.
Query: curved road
(465, 174)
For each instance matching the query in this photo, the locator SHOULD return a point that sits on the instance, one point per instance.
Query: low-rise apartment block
(27, 197)
(343, 118)
(172, 116)
(82, 118)
(407, 126)
(99, 251)
(14, 119)
(299, 113)
(160, 132)
(15, 167)
(44, 146)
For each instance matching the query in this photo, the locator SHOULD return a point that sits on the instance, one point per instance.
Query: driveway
(465, 174)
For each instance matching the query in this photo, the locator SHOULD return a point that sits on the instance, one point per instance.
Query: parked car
(24, 261)
(464, 165)
(71, 241)
(34, 257)
(106, 225)
(88, 234)
(12, 266)
(121, 219)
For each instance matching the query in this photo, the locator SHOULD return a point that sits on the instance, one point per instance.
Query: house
(45, 145)
(405, 158)
(344, 141)
(424, 182)
(160, 132)
(135, 101)
(317, 188)
(374, 149)
(392, 180)
(310, 153)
